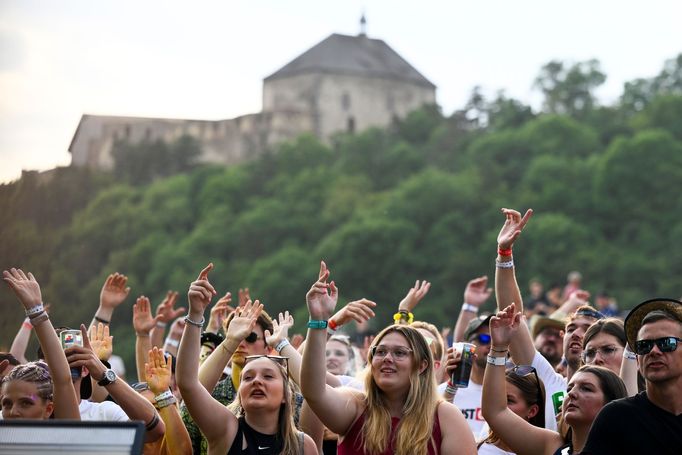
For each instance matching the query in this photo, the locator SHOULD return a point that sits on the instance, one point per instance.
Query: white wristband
(35, 310)
(161, 325)
(504, 265)
(628, 354)
(469, 308)
(164, 396)
(497, 361)
(281, 345)
(172, 342)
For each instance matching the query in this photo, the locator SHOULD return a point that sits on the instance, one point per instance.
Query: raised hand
(158, 371)
(414, 295)
(322, 296)
(244, 321)
(244, 296)
(219, 313)
(101, 342)
(453, 360)
(166, 312)
(176, 329)
(143, 322)
(477, 291)
(513, 225)
(297, 340)
(280, 329)
(357, 310)
(114, 291)
(201, 291)
(503, 325)
(25, 287)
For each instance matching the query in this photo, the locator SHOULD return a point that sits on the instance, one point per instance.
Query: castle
(344, 83)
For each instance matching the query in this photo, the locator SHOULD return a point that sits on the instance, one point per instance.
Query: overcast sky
(207, 59)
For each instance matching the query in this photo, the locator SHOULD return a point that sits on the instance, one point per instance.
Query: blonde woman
(400, 412)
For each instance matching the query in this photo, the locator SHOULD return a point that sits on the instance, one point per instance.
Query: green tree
(570, 89)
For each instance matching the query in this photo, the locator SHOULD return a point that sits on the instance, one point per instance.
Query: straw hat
(634, 320)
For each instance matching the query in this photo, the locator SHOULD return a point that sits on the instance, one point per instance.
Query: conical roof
(353, 55)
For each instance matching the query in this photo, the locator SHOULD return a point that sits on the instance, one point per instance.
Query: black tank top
(257, 443)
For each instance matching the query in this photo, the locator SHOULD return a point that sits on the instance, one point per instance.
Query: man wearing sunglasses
(651, 421)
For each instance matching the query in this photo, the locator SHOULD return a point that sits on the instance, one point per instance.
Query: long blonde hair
(286, 429)
(415, 430)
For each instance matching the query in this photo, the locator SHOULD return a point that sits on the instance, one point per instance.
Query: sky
(206, 59)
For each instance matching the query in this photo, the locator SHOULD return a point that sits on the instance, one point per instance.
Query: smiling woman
(400, 412)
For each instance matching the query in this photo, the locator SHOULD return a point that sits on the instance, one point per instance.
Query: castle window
(345, 101)
(351, 125)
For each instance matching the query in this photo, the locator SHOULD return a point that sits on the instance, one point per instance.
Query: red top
(352, 442)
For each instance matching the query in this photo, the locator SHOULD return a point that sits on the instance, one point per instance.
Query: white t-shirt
(468, 400)
(555, 388)
(351, 381)
(107, 411)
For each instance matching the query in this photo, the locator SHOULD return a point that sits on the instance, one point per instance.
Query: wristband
(403, 316)
(27, 324)
(628, 354)
(504, 251)
(161, 325)
(332, 326)
(451, 389)
(199, 324)
(469, 308)
(41, 317)
(152, 423)
(35, 310)
(172, 342)
(316, 324)
(163, 403)
(499, 350)
(103, 321)
(505, 265)
(281, 345)
(497, 361)
(164, 395)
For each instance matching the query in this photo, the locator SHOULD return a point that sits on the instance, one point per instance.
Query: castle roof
(353, 55)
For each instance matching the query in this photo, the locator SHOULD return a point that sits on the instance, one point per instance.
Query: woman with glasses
(261, 418)
(399, 412)
(525, 398)
(590, 388)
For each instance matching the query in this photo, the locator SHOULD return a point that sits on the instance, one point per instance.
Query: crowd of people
(551, 374)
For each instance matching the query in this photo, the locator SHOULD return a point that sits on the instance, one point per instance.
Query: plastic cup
(460, 377)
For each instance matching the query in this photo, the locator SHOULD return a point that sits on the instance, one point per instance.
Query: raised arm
(410, 301)
(21, 339)
(211, 417)
(133, 404)
(103, 346)
(628, 371)
(143, 322)
(521, 436)
(279, 341)
(337, 408)
(506, 288)
(27, 290)
(113, 293)
(165, 314)
(240, 327)
(476, 294)
(158, 378)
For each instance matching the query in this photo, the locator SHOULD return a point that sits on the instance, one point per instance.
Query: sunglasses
(525, 370)
(252, 338)
(590, 313)
(278, 359)
(399, 353)
(481, 338)
(666, 344)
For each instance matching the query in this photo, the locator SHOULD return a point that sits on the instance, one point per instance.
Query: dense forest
(384, 207)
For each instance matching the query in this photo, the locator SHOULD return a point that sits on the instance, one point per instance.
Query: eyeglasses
(252, 338)
(278, 359)
(665, 344)
(606, 352)
(525, 370)
(481, 338)
(399, 353)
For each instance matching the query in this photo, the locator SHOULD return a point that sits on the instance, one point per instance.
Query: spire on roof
(363, 25)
